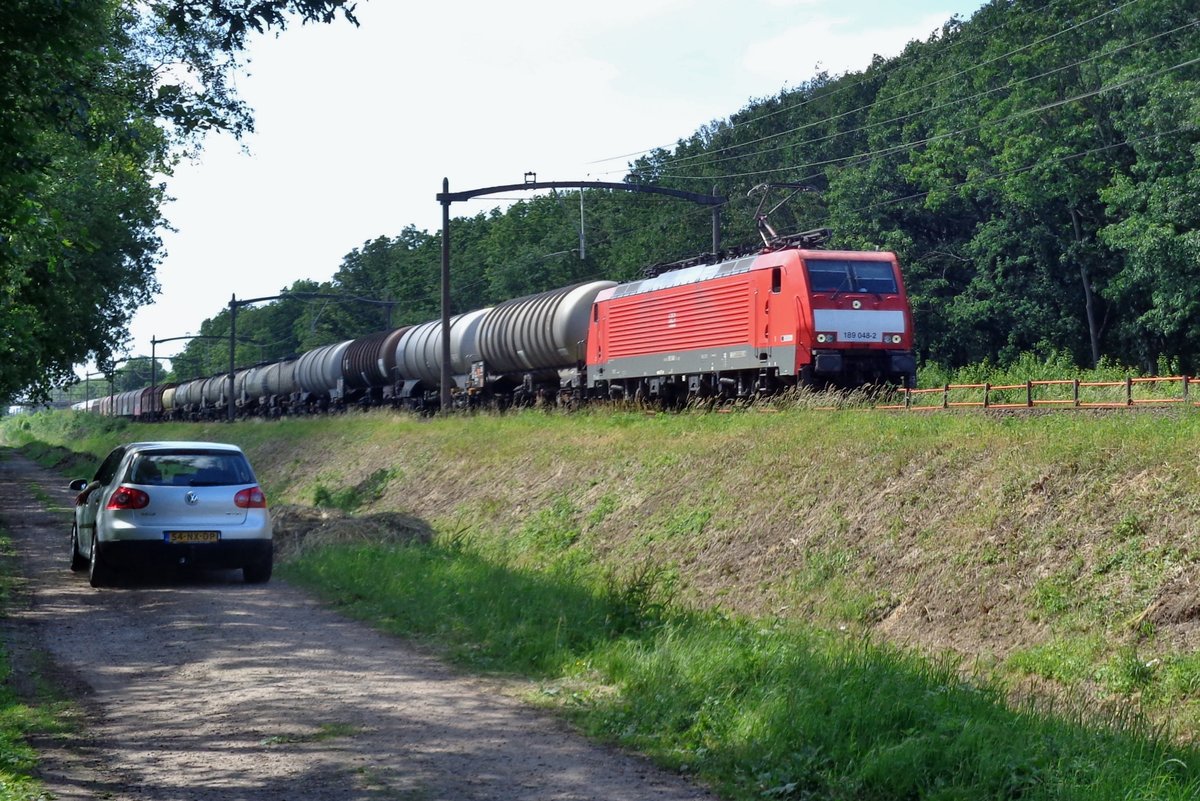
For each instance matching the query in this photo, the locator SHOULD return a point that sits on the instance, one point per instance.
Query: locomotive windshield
(836, 275)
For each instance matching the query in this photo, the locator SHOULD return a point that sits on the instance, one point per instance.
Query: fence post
(1075, 391)
(987, 391)
(945, 396)
(1185, 390)
(1029, 393)
(1128, 391)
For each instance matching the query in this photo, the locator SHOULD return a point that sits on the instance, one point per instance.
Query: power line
(897, 149)
(843, 87)
(924, 110)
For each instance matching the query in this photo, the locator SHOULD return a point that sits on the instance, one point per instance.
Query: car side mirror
(79, 484)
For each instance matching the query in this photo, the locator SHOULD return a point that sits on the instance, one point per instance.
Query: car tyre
(99, 573)
(78, 562)
(258, 572)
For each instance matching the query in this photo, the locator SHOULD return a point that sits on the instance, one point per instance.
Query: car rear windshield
(190, 469)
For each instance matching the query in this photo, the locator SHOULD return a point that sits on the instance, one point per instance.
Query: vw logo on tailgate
(191, 498)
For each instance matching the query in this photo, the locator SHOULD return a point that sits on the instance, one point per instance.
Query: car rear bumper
(224, 555)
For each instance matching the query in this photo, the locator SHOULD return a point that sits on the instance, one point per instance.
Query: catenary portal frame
(446, 197)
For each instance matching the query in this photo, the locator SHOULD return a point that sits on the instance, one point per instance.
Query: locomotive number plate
(193, 536)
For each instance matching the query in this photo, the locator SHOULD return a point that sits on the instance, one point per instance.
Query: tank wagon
(784, 316)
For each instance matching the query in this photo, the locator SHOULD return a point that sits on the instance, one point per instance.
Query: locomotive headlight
(895, 339)
(826, 338)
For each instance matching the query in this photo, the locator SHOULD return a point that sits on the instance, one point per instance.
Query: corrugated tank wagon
(214, 396)
(369, 368)
(533, 349)
(419, 358)
(319, 377)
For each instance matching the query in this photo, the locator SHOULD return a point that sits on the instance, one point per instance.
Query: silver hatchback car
(154, 504)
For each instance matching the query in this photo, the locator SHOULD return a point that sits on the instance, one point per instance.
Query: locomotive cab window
(836, 275)
(776, 280)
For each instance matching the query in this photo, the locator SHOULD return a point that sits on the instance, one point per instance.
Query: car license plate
(193, 536)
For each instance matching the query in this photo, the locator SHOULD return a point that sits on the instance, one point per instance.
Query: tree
(98, 98)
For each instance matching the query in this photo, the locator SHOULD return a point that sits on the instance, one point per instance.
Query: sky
(357, 127)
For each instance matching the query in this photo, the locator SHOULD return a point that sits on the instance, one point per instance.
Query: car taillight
(128, 498)
(250, 498)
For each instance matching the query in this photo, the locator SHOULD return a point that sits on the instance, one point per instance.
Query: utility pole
(233, 307)
(445, 374)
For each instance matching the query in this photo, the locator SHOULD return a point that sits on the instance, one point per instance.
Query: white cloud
(832, 44)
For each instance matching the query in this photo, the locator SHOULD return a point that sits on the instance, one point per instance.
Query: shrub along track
(207, 689)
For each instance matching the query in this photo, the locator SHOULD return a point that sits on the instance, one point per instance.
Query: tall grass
(756, 708)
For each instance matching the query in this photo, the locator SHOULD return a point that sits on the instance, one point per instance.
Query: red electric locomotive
(761, 323)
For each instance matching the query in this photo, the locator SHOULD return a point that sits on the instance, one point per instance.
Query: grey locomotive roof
(687, 275)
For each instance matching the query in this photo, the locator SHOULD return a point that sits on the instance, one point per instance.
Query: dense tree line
(1035, 168)
(98, 99)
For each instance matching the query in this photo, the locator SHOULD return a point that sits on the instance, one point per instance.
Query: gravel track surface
(207, 689)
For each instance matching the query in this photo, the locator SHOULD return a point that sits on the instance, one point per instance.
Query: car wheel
(257, 573)
(99, 573)
(78, 562)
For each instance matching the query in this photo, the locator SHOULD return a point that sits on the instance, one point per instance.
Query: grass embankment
(727, 592)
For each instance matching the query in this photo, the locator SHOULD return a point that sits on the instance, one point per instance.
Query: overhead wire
(918, 143)
(841, 88)
(1016, 115)
(913, 90)
(909, 146)
(930, 109)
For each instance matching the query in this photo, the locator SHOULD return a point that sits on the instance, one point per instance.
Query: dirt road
(211, 690)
